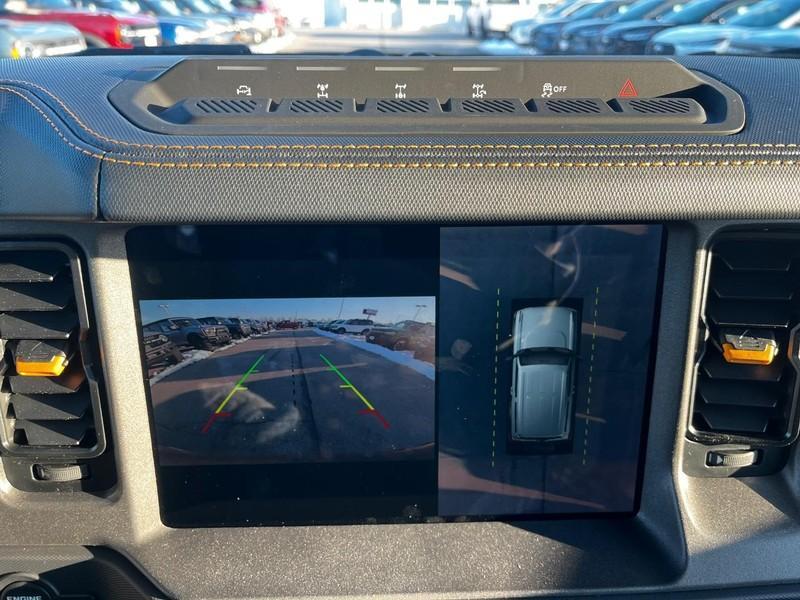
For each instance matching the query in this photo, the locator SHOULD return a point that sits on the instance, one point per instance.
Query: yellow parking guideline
(347, 385)
(239, 383)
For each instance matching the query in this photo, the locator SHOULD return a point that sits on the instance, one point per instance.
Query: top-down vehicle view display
(541, 387)
(399, 299)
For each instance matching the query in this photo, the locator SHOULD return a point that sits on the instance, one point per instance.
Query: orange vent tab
(35, 358)
(749, 347)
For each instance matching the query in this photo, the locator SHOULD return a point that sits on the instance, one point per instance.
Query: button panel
(263, 95)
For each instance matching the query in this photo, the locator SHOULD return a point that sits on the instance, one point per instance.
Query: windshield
(163, 8)
(613, 9)
(185, 322)
(544, 358)
(485, 28)
(688, 13)
(641, 10)
(590, 10)
(767, 13)
(570, 9)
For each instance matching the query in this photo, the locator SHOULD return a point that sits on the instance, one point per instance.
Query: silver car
(33, 40)
(545, 340)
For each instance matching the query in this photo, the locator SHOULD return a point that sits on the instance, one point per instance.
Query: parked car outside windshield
(486, 28)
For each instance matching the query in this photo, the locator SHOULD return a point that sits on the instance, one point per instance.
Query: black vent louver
(660, 106)
(43, 312)
(403, 106)
(227, 106)
(490, 106)
(316, 106)
(753, 290)
(576, 106)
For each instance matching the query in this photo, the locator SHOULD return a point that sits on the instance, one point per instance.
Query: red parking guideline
(349, 386)
(214, 417)
(218, 413)
(378, 415)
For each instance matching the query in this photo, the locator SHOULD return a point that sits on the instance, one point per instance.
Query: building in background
(408, 15)
(405, 15)
(308, 13)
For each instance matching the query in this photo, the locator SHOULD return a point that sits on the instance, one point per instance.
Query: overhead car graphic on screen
(543, 374)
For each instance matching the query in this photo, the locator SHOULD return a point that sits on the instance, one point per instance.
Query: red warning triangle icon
(628, 90)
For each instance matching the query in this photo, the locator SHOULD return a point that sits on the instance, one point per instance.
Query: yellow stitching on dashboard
(666, 146)
(383, 165)
(52, 124)
(525, 165)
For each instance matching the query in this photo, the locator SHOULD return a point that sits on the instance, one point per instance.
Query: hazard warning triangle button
(628, 90)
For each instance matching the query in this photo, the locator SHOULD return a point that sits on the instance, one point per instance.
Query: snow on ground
(190, 357)
(401, 358)
(405, 358)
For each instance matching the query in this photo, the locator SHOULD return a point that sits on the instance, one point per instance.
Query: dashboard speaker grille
(660, 106)
(50, 404)
(492, 106)
(316, 106)
(753, 294)
(227, 106)
(578, 106)
(401, 106)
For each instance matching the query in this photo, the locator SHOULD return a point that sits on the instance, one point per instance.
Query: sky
(390, 310)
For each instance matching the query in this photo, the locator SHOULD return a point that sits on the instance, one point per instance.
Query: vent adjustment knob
(735, 459)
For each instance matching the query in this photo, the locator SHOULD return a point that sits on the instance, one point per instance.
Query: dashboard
(399, 327)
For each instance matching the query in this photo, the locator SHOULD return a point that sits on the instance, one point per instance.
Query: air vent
(50, 397)
(677, 111)
(208, 111)
(661, 106)
(227, 106)
(747, 379)
(484, 107)
(315, 106)
(577, 106)
(400, 106)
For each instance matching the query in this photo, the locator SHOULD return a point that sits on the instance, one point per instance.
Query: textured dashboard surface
(398, 178)
(65, 154)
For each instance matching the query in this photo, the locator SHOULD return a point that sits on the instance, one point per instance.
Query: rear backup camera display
(303, 375)
(295, 380)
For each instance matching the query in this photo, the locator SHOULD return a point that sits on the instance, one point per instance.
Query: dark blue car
(633, 37)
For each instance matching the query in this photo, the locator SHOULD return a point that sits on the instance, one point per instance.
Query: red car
(100, 29)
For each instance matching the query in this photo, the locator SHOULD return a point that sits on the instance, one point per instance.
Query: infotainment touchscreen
(381, 374)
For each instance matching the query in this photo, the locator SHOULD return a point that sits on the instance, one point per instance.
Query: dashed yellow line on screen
(595, 310)
(494, 387)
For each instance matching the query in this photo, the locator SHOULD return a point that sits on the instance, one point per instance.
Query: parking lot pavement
(323, 41)
(292, 395)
